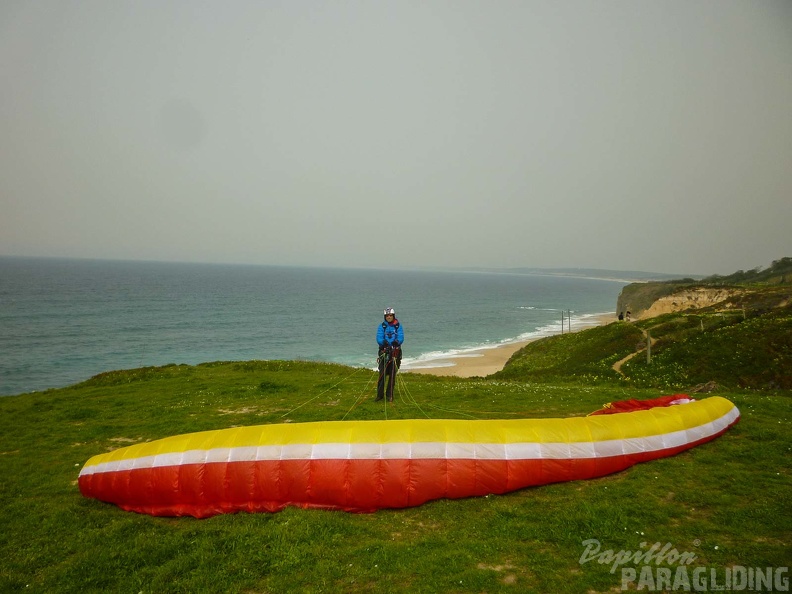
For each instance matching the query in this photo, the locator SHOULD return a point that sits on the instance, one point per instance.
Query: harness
(395, 326)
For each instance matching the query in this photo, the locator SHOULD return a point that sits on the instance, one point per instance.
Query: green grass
(727, 501)
(581, 357)
(736, 349)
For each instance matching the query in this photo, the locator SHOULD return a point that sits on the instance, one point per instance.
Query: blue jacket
(390, 334)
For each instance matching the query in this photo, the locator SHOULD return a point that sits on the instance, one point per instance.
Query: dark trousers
(388, 366)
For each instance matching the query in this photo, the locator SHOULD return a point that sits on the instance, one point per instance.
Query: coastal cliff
(763, 288)
(696, 298)
(647, 300)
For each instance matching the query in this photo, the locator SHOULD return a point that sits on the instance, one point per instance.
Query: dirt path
(618, 365)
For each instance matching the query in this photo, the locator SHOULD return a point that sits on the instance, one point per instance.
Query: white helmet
(389, 311)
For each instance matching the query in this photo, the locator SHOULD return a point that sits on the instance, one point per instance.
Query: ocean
(63, 321)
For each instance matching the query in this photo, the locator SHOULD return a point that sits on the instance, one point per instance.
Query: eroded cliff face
(646, 300)
(694, 298)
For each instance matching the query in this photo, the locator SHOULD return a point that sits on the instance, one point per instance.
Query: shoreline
(486, 361)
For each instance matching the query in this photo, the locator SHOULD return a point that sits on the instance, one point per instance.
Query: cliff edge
(766, 288)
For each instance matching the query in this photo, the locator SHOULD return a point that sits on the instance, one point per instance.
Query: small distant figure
(621, 316)
(390, 336)
(628, 316)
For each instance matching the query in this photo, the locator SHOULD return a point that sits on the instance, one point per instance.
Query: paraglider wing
(633, 405)
(362, 466)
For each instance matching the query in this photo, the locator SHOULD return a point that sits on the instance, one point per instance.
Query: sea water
(63, 321)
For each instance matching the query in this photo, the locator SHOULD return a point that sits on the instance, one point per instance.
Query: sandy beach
(483, 362)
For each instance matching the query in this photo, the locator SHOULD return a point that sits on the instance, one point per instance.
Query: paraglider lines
(342, 380)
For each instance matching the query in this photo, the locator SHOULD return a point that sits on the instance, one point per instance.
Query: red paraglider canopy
(633, 405)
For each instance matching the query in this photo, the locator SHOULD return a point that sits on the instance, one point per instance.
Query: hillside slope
(741, 341)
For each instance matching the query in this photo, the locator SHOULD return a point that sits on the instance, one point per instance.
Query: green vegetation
(725, 348)
(727, 502)
(582, 357)
(746, 348)
(779, 272)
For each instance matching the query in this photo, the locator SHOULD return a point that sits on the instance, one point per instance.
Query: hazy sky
(627, 134)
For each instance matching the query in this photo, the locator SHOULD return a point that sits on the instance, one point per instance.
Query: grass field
(727, 502)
